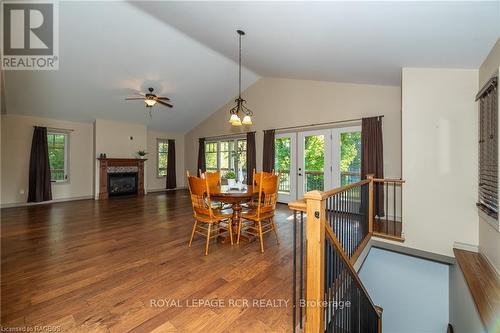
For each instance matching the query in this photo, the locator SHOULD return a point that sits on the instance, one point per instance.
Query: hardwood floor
(102, 266)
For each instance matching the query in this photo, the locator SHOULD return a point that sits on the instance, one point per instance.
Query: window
(162, 157)
(488, 149)
(226, 155)
(58, 156)
(350, 157)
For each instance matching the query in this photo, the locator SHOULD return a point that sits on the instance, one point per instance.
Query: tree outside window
(162, 151)
(57, 145)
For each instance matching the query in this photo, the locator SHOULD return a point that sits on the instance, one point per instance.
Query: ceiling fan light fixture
(247, 120)
(150, 102)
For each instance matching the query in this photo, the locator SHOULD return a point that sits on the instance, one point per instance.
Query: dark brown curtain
(39, 172)
(171, 175)
(372, 158)
(201, 156)
(268, 151)
(251, 159)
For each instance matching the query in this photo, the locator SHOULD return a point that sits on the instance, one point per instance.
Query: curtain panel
(251, 158)
(201, 156)
(39, 170)
(171, 174)
(268, 152)
(372, 158)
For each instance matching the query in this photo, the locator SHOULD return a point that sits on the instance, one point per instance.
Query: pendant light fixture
(240, 109)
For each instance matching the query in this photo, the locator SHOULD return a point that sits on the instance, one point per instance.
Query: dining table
(235, 197)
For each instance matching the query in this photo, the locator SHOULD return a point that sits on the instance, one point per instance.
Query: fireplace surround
(121, 176)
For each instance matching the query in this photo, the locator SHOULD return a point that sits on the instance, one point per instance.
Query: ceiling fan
(151, 99)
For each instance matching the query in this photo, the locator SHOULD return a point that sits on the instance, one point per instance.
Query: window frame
(488, 152)
(158, 141)
(233, 143)
(66, 152)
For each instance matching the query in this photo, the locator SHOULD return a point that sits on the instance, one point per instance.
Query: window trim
(160, 140)
(66, 134)
(218, 141)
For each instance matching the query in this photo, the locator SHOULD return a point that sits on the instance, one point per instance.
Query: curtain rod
(235, 135)
(57, 129)
(321, 124)
(492, 82)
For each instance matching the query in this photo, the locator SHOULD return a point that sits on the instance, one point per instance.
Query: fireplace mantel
(104, 167)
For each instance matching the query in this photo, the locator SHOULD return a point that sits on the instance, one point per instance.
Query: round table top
(225, 194)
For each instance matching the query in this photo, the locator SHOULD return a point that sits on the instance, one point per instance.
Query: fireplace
(122, 183)
(121, 176)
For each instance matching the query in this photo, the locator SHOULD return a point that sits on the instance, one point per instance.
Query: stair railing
(329, 296)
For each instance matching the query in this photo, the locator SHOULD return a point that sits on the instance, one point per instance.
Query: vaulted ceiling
(188, 52)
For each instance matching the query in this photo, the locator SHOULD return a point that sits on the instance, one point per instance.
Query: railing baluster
(294, 277)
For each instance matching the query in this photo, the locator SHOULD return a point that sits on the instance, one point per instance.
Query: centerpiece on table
(231, 178)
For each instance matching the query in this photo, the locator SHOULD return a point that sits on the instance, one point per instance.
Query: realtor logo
(30, 39)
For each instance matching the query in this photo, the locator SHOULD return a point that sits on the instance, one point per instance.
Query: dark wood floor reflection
(91, 266)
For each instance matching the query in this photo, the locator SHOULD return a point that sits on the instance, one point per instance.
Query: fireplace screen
(122, 183)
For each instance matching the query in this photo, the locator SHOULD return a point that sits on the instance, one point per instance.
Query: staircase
(331, 230)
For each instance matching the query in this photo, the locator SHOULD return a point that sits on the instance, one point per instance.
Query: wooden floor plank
(96, 266)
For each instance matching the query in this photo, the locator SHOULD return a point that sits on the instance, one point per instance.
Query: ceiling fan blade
(133, 98)
(164, 103)
(163, 98)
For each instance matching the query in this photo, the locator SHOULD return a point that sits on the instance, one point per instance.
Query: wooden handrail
(388, 180)
(323, 195)
(299, 205)
(335, 242)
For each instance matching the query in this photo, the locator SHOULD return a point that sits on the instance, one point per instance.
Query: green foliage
(56, 146)
(350, 151)
(230, 175)
(314, 152)
(282, 154)
(142, 153)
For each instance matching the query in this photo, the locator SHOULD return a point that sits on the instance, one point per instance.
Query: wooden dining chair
(208, 221)
(252, 204)
(261, 220)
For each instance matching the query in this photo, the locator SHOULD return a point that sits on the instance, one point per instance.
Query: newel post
(315, 264)
(370, 202)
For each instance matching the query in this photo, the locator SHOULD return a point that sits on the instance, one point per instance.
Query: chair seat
(219, 215)
(252, 215)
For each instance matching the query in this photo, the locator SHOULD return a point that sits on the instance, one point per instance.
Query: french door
(313, 161)
(317, 160)
(285, 166)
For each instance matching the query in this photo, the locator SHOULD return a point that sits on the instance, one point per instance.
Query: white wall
(17, 134)
(158, 183)
(489, 237)
(413, 292)
(119, 140)
(463, 312)
(439, 127)
(288, 102)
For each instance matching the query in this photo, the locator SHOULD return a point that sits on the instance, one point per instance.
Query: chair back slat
(200, 196)
(213, 179)
(268, 193)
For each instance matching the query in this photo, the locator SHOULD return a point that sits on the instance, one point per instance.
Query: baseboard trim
(154, 190)
(466, 247)
(441, 258)
(482, 254)
(22, 204)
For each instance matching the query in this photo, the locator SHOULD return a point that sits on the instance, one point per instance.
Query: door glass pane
(211, 156)
(314, 162)
(282, 163)
(225, 152)
(350, 157)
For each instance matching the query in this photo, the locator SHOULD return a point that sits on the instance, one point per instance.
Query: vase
(231, 183)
